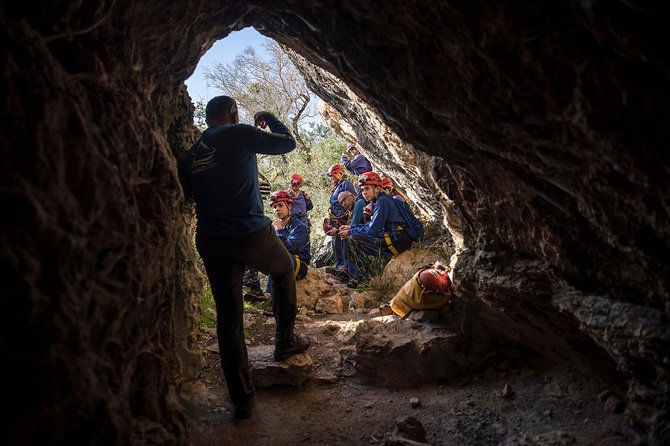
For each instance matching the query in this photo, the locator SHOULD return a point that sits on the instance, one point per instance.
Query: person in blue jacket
(338, 214)
(293, 233)
(220, 174)
(301, 201)
(381, 238)
(358, 164)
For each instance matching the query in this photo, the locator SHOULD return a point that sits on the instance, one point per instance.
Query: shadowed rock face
(538, 131)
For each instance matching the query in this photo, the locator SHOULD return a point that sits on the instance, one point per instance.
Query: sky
(223, 51)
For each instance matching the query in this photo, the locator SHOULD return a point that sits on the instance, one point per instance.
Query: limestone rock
(266, 372)
(320, 291)
(409, 428)
(330, 305)
(390, 353)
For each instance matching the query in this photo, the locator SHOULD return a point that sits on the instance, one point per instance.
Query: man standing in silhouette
(221, 174)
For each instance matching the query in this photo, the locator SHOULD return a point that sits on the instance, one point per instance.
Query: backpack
(414, 228)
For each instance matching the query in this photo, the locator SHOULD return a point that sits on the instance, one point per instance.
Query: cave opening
(539, 134)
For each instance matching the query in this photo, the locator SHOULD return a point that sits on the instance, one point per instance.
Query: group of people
(233, 235)
(369, 224)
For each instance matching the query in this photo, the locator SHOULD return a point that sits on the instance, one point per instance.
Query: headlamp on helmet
(296, 178)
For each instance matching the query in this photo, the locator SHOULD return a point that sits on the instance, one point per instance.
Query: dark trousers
(299, 269)
(367, 254)
(225, 259)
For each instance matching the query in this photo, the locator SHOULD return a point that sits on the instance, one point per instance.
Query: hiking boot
(268, 310)
(352, 283)
(299, 345)
(333, 271)
(254, 296)
(342, 276)
(244, 411)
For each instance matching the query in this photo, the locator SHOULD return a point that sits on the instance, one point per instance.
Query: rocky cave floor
(528, 401)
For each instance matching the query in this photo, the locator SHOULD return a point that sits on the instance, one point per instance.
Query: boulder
(266, 372)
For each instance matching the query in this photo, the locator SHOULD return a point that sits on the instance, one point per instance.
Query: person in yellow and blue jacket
(391, 230)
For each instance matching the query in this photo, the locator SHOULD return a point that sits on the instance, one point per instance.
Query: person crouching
(380, 239)
(293, 233)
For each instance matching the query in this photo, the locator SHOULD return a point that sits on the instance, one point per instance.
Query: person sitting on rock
(337, 215)
(383, 237)
(301, 201)
(348, 200)
(293, 233)
(389, 189)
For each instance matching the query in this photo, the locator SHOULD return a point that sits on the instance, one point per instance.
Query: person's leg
(252, 280)
(364, 252)
(338, 255)
(301, 272)
(225, 278)
(274, 260)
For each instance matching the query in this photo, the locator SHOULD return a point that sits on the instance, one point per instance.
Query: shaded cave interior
(516, 133)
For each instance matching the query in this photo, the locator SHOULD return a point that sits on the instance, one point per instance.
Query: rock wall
(539, 131)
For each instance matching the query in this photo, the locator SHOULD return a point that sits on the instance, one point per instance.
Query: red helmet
(386, 183)
(280, 195)
(334, 169)
(370, 178)
(435, 280)
(296, 178)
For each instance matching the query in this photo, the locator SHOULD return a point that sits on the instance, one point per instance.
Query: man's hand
(260, 119)
(305, 194)
(344, 232)
(332, 232)
(278, 224)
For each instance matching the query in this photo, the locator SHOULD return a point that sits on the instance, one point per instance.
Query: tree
(270, 83)
(275, 85)
(199, 114)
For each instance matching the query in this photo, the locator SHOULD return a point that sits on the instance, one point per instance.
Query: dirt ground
(543, 404)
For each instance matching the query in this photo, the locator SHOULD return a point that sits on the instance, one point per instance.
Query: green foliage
(272, 83)
(199, 114)
(327, 149)
(208, 307)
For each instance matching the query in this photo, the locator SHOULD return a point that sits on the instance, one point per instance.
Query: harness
(389, 241)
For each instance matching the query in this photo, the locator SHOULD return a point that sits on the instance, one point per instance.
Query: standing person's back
(221, 174)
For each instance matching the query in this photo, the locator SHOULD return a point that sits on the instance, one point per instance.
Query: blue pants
(366, 254)
(340, 251)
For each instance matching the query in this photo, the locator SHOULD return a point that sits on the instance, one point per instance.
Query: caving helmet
(334, 169)
(435, 278)
(296, 178)
(280, 195)
(369, 178)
